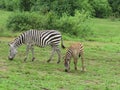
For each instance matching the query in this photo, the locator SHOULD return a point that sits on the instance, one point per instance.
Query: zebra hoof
(75, 68)
(66, 70)
(48, 60)
(33, 58)
(25, 59)
(58, 62)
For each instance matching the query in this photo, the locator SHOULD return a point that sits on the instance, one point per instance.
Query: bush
(2, 4)
(23, 21)
(61, 6)
(49, 21)
(26, 5)
(115, 4)
(78, 25)
(101, 8)
(9, 5)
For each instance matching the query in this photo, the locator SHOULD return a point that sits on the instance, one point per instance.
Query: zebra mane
(18, 41)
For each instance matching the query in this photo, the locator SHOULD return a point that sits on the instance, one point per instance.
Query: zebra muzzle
(66, 70)
(10, 58)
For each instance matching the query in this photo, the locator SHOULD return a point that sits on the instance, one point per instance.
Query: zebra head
(12, 51)
(67, 65)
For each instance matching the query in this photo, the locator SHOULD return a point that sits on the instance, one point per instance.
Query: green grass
(102, 60)
(102, 63)
(105, 30)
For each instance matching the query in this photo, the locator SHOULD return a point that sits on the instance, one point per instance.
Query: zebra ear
(9, 44)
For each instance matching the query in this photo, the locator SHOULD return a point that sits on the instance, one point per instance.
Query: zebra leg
(75, 63)
(27, 51)
(82, 60)
(59, 54)
(53, 51)
(32, 50)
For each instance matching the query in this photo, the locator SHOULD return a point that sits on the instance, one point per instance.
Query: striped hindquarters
(50, 37)
(44, 37)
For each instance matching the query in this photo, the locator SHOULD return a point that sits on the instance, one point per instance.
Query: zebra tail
(62, 44)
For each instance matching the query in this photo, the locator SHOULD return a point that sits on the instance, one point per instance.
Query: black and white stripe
(40, 38)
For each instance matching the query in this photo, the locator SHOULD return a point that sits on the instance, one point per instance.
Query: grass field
(102, 60)
(106, 30)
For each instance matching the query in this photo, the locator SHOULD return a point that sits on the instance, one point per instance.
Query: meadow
(102, 61)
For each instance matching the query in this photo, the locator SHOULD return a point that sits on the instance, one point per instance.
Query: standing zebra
(75, 51)
(38, 38)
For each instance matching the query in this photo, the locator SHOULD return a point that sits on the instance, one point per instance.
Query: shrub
(49, 20)
(9, 5)
(61, 6)
(2, 4)
(26, 5)
(23, 21)
(115, 4)
(77, 25)
(101, 8)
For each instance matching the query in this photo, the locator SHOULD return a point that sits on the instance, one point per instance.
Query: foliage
(26, 5)
(101, 8)
(115, 4)
(97, 8)
(61, 6)
(77, 25)
(2, 4)
(9, 5)
(23, 21)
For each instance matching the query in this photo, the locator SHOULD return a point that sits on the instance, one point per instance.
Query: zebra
(75, 51)
(39, 38)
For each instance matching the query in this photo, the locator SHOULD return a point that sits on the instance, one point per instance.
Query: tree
(101, 8)
(25, 5)
(115, 4)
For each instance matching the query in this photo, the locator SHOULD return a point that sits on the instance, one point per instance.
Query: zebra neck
(69, 55)
(17, 42)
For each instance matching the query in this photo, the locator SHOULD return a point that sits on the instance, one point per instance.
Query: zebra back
(39, 38)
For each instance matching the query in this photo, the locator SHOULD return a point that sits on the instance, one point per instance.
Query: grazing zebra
(37, 38)
(75, 51)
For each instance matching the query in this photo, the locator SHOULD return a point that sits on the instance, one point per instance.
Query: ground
(102, 62)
